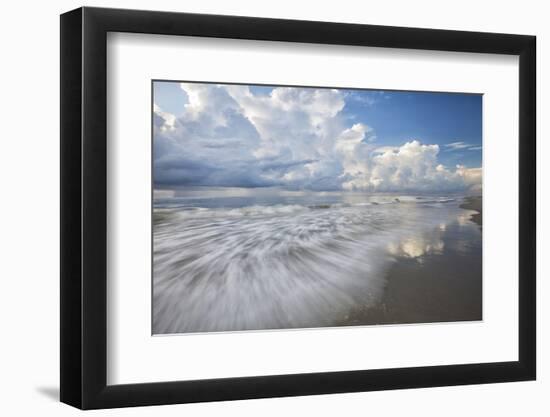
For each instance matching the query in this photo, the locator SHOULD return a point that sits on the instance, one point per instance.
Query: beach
(474, 203)
(445, 287)
(265, 262)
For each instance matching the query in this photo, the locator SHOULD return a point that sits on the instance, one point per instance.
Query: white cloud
(294, 138)
(412, 167)
(384, 149)
(456, 146)
(472, 177)
(163, 120)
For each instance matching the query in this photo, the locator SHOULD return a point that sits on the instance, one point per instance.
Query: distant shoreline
(476, 204)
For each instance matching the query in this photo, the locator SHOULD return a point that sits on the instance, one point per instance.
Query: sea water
(272, 261)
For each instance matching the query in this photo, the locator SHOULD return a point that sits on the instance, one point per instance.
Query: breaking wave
(283, 265)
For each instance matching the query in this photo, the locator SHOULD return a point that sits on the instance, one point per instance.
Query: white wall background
(29, 232)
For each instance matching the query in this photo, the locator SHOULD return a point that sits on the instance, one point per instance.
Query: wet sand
(444, 287)
(474, 203)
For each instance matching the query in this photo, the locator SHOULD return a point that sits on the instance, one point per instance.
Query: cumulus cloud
(414, 167)
(293, 138)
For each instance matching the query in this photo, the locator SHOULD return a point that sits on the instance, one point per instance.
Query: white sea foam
(284, 266)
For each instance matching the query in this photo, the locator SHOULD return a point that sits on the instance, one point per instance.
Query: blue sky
(440, 118)
(319, 139)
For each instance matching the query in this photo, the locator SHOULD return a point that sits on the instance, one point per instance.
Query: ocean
(292, 260)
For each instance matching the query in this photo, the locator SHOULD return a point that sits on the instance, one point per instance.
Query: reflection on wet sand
(436, 277)
(432, 242)
(416, 247)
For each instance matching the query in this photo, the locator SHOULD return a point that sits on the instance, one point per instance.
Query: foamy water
(289, 265)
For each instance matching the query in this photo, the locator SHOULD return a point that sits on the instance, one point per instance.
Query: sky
(319, 139)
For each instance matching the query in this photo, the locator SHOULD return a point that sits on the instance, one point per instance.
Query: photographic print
(293, 207)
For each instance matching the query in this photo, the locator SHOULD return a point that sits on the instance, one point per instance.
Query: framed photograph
(256, 208)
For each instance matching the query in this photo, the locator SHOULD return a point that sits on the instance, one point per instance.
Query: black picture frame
(84, 207)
